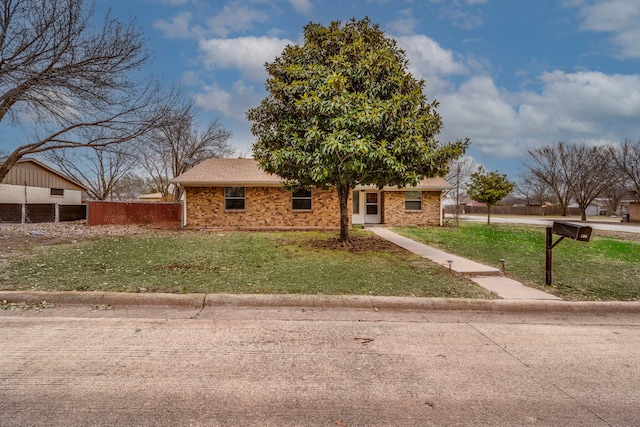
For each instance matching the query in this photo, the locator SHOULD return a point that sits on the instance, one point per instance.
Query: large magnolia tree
(343, 110)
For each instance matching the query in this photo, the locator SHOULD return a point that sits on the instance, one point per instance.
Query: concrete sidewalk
(490, 278)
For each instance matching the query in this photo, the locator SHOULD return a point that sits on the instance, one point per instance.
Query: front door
(372, 207)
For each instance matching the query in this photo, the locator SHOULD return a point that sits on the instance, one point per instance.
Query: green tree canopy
(488, 187)
(343, 110)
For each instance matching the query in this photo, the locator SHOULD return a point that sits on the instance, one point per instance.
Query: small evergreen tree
(489, 188)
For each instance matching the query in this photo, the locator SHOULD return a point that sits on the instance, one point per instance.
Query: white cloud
(618, 17)
(302, 6)
(479, 111)
(232, 105)
(584, 107)
(405, 23)
(593, 95)
(178, 28)
(427, 60)
(461, 13)
(246, 54)
(236, 17)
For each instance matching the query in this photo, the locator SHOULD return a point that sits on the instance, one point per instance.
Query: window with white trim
(234, 198)
(413, 200)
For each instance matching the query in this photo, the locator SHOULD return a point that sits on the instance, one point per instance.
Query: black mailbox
(573, 231)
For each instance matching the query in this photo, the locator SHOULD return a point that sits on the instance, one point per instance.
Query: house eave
(228, 183)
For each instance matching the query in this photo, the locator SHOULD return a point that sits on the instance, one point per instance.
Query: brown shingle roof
(434, 183)
(230, 172)
(247, 173)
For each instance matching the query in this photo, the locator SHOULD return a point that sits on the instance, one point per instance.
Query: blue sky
(510, 75)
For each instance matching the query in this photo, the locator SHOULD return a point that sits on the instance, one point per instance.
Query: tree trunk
(488, 215)
(8, 163)
(583, 214)
(343, 196)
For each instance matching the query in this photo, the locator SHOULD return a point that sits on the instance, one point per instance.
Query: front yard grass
(605, 268)
(235, 262)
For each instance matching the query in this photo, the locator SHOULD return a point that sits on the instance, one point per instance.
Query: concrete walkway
(490, 278)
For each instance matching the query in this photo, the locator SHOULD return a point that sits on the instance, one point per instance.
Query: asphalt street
(99, 365)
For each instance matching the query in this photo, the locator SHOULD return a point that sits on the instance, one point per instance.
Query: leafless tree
(592, 172)
(100, 169)
(614, 195)
(572, 172)
(178, 144)
(626, 159)
(73, 85)
(549, 165)
(131, 186)
(460, 171)
(534, 191)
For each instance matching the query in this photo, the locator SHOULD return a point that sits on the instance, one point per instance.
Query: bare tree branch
(100, 169)
(627, 161)
(73, 84)
(572, 172)
(178, 144)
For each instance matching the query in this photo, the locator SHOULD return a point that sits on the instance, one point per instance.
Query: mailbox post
(563, 229)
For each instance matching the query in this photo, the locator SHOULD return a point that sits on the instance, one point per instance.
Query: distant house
(155, 197)
(634, 212)
(593, 209)
(34, 192)
(30, 181)
(237, 193)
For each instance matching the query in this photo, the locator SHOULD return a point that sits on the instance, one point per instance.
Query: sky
(510, 75)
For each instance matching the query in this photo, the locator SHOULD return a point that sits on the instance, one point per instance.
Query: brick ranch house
(236, 193)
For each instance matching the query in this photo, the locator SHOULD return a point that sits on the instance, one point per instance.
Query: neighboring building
(594, 209)
(155, 197)
(237, 193)
(634, 212)
(30, 181)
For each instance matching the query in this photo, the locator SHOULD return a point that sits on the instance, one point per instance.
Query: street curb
(320, 301)
(105, 298)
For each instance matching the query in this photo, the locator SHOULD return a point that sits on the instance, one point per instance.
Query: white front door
(372, 207)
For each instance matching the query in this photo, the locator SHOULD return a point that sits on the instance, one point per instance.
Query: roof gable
(36, 174)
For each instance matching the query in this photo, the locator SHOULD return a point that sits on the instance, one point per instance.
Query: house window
(234, 198)
(356, 202)
(57, 192)
(413, 200)
(301, 200)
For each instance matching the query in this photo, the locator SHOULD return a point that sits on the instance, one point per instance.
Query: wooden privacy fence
(134, 213)
(512, 210)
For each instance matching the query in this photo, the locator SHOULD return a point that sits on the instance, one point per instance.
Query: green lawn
(604, 268)
(235, 262)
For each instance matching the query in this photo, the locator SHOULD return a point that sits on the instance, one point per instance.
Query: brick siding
(265, 207)
(395, 214)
